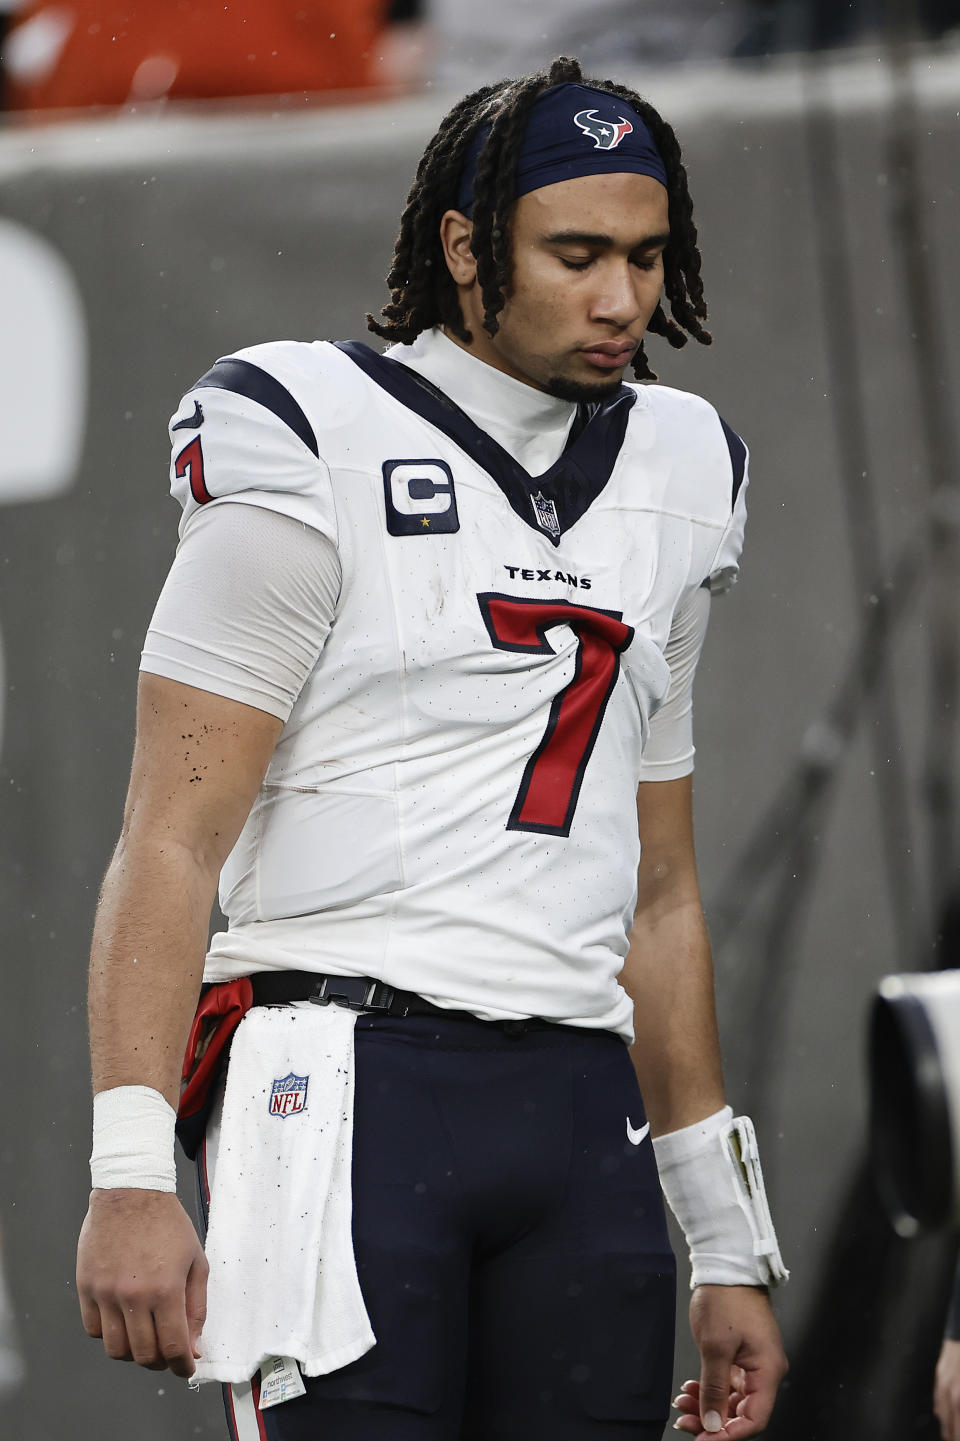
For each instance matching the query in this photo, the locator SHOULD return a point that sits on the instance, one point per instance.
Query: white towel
(283, 1278)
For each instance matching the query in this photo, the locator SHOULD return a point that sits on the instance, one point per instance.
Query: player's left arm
(668, 973)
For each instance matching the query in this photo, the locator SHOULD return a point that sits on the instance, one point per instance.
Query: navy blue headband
(573, 130)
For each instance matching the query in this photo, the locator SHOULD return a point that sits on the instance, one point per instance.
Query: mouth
(609, 355)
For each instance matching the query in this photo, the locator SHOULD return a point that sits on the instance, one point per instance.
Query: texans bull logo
(606, 134)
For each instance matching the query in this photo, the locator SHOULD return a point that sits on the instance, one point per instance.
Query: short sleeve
(726, 562)
(239, 434)
(246, 607)
(668, 753)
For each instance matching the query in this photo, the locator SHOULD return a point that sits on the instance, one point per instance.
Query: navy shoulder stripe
(243, 378)
(738, 457)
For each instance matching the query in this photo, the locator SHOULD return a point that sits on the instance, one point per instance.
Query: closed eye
(647, 262)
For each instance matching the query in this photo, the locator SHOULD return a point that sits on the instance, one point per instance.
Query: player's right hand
(142, 1279)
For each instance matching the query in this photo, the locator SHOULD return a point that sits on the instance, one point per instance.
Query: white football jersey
(451, 806)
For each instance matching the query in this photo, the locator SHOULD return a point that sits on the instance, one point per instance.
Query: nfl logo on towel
(289, 1095)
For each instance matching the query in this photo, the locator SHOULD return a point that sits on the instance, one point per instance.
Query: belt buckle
(357, 993)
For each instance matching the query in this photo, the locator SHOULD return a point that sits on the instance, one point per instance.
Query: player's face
(586, 278)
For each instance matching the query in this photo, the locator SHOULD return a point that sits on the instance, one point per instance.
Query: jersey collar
(550, 503)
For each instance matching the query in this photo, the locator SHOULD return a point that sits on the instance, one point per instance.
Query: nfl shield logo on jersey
(289, 1095)
(546, 513)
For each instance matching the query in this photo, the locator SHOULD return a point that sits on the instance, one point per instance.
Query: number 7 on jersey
(550, 787)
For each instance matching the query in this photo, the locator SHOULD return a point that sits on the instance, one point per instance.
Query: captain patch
(419, 497)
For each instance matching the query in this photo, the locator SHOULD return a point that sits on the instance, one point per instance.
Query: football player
(417, 689)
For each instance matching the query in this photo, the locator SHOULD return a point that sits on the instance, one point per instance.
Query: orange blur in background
(88, 52)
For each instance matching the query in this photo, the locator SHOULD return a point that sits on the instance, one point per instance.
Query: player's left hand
(741, 1364)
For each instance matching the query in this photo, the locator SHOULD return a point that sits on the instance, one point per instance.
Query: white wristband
(133, 1140)
(711, 1178)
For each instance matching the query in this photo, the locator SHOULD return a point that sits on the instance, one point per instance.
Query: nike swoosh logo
(192, 422)
(635, 1137)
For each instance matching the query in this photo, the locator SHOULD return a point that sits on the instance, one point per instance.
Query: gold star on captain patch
(425, 522)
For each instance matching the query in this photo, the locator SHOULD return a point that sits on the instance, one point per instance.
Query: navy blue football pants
(510, 1244)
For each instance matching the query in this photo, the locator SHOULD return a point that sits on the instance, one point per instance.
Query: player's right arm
(245, 611)
(198, 762)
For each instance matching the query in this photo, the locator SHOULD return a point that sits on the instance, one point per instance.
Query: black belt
(360, 993)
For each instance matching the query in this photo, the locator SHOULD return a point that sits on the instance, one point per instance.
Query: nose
(617, 297)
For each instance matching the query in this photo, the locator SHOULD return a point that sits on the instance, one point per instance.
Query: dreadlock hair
(423, 293)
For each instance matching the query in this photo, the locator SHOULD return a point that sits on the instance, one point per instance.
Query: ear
(456, 232)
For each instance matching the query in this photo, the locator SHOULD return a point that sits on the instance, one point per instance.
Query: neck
(527, 421)
(481, 349)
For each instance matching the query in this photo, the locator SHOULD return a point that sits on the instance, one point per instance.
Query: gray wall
(189, 236)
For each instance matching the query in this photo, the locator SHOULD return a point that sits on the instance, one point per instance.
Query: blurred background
(178, 180)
